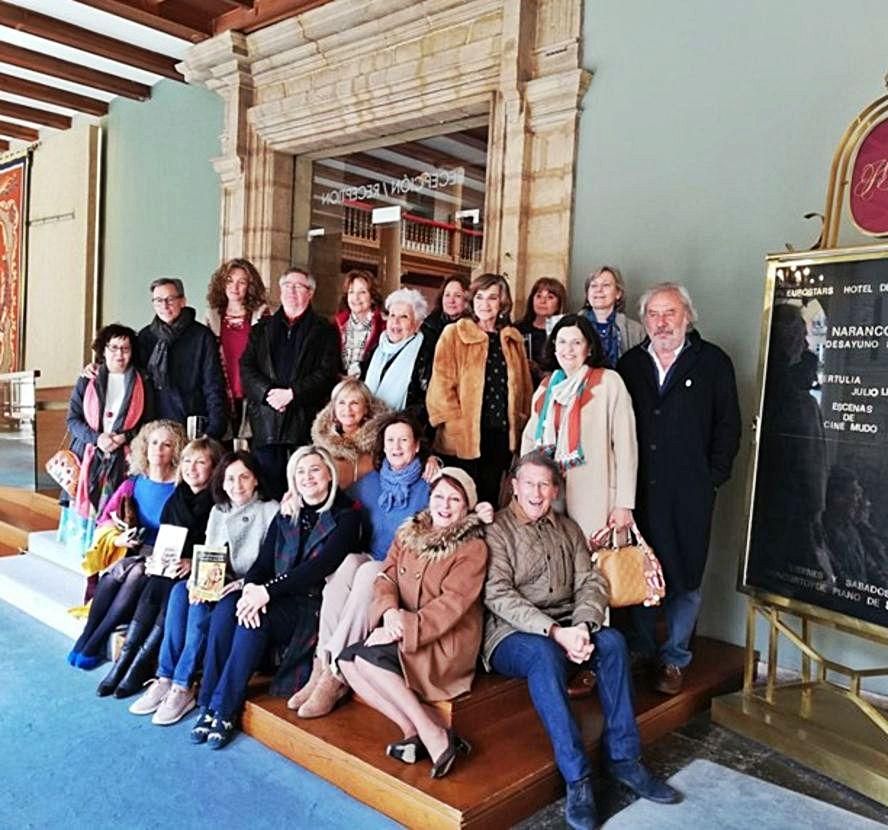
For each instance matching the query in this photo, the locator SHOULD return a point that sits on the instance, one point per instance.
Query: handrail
(35, 373)
(412, 217)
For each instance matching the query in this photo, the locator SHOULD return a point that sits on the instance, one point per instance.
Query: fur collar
(213, 319)
(419, 536)
(470, 332)
(347, 447)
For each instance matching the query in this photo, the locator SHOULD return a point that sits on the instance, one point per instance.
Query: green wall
(161, 210)
(707, 132)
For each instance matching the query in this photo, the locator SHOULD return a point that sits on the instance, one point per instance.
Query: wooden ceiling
(60, 58)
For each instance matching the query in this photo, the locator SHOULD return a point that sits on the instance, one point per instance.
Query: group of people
(364, 546)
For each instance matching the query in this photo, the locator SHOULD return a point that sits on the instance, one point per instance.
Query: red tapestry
(868, 193)
(13, 206)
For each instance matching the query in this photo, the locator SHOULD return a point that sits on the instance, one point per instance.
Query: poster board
(817, 538)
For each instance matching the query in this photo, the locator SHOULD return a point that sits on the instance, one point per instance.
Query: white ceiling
(96, 21)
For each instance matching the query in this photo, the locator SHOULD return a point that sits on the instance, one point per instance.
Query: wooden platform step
(510, 774)
(22, 512)
(44, 502)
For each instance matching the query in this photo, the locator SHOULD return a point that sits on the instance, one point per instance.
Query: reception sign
(13, 215)
(818, 530)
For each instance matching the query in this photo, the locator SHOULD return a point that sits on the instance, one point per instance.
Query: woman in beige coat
(582, 416)
(427, 603)
(479, 394)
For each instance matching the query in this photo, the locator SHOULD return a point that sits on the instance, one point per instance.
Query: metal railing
(442, 240)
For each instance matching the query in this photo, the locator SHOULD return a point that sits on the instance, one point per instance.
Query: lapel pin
(688, 382)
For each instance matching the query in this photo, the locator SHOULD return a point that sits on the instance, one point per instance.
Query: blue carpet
(69, 759)
(718, 797)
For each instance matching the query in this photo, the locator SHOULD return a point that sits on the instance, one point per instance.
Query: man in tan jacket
(547, 606)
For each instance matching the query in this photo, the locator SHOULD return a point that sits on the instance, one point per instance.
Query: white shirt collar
(662, 372)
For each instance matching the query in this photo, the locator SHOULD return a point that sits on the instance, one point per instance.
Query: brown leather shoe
(669, 680)
(581, 685)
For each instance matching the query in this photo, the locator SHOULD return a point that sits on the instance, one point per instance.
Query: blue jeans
(184, 636)
(681, 609)
(545, 666)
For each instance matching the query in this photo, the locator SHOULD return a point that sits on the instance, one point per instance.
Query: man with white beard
(687, 420)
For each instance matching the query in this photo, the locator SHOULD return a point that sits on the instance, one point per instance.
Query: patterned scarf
(395, 485)
(559, 410)
(609, 334)
(166, 334)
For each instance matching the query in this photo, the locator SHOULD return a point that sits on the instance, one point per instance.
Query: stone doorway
(354, 75)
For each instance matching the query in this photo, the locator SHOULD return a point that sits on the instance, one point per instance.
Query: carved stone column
(256, 182)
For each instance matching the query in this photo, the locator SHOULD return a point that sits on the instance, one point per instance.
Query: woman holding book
(125, 532)
(426, 602)
(237, 524)
(189, 509)
(280, 598)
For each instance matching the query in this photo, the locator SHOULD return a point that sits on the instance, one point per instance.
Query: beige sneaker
(178, 702)
(152, 698)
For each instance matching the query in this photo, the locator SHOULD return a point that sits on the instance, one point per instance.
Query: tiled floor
(702, 739)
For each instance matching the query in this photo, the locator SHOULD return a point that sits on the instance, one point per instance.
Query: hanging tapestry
(13, 222)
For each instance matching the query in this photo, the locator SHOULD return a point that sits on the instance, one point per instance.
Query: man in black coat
(181, 357)
(290, 365)
(687, 418)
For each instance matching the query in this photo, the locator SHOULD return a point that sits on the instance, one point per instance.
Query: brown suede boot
(301, 695)
(328, 691)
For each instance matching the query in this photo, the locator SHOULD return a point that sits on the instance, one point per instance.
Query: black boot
(135, 635)
(143, 666)
(579, 807)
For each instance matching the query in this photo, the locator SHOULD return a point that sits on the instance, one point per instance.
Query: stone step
(44, 590)
(45, 545)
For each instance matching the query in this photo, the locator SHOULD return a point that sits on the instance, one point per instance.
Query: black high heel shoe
(407, 750)
(445, 760)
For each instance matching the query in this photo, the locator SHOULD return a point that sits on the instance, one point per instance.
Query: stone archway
(359, 73)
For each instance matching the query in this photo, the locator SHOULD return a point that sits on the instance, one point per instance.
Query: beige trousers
(346, 601)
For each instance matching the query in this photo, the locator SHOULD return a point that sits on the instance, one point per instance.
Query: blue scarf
(609, 334)
(394, 485)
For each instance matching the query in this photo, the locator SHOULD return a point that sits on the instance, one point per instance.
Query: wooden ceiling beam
(18, 131)
(4, 146)
(263, 13)
(50, 28)
(158, 16)
(38, 62)
(35, 116)
(52, 95)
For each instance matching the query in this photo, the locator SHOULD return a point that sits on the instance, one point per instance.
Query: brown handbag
(632, 571)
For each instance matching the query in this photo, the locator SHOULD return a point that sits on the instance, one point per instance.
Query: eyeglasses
(295, 286)
(166, 300)
(118, 349)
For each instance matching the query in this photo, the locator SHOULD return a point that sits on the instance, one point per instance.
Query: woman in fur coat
(426, 646)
